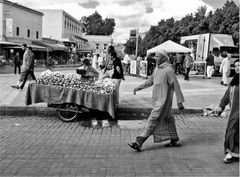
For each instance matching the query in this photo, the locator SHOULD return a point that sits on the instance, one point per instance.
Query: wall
(23, 19)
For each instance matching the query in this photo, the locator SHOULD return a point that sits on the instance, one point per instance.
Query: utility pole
(137, 41)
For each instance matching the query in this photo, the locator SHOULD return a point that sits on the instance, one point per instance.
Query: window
(97, 46)
(36, 34)
(17, 31)
(28, 33)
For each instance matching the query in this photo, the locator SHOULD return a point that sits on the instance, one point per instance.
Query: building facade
(59, 25)
(98, 43)
(19, 23)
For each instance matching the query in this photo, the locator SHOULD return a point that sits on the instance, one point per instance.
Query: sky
(128, 14)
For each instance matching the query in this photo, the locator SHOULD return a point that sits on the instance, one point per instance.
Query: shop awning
(8, 43)
(49, 46)
(19, 46)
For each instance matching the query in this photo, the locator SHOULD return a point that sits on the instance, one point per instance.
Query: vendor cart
(70, 102)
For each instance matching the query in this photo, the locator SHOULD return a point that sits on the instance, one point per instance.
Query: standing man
(187, 64)
(225, 68)
(161, 122)
(17, 63)
(178, 64)
(210, 64)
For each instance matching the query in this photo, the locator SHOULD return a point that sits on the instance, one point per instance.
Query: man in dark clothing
(210, 64)
(29, 66)
(179, 61)
(17, 63)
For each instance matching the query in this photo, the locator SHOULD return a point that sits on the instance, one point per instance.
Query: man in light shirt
(225, 68)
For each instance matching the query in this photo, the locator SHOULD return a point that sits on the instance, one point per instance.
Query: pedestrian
(95, 61)
(114, 69)
(187, 65)
(210, 64)
(178, 63)
(17, 63)
(126, 63)
(161, 122)
(27, 67)
(225, 68)
(231, 97)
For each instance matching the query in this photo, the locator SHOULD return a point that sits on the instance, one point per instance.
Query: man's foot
(229, 159)
(173, 143)
(135, 146)
(13, 86)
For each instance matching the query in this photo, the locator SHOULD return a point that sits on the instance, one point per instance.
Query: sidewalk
(198, 93)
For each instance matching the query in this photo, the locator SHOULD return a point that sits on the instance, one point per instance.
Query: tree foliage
(95, 25)
(223, 21)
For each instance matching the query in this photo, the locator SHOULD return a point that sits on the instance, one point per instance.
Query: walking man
(161, 122)
(27, 67)
(210, 64)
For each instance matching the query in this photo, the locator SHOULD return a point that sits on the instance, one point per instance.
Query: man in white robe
(161, 122)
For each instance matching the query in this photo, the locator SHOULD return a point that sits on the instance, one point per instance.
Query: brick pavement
(45, 146)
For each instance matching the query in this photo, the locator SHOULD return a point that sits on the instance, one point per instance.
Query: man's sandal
(172, 145)
(134, 146)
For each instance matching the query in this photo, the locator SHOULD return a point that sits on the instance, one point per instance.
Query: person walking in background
(178, 63)
(187, 65)
(231, 96)
(17, 63)
(225, 68)
(210, 64)
(27, 67)
(161, 122)
(30, 66)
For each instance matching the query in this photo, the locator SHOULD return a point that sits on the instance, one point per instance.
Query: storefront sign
(9, 27)
(133, 67)
(143, 68)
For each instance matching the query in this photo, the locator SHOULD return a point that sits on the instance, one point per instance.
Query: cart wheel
(67, 112)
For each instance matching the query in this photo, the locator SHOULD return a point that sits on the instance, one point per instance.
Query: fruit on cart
(72, 80)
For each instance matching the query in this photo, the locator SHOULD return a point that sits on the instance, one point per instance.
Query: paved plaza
(46, 146)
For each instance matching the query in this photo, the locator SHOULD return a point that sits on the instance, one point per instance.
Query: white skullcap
(161, 51)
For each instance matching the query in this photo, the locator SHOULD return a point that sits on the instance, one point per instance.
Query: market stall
(71, 94)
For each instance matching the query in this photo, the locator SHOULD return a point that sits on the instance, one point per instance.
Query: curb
(123, 113)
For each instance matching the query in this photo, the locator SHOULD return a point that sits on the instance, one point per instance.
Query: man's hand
(219, 111)
(134, 91)
(118, 69)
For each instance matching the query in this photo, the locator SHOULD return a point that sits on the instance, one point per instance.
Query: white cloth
(94, 62)
(225, 70)
(209, 71)
(225, 77)
(225, 66)
(126, 59)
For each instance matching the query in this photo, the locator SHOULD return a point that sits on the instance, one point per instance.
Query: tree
(224, 20)
(95, 25)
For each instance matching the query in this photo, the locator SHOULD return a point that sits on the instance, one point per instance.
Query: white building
(59, 25)
(99, 43)
(19, 23)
